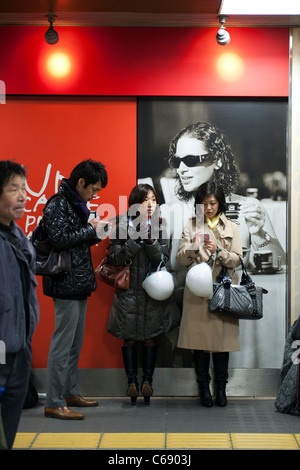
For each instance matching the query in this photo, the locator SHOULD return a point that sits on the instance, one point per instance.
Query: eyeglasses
(189, 160)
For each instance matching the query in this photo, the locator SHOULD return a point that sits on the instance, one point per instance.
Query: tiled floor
(168, 424)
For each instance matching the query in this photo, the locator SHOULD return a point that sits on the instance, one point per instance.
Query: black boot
(130, 363)
(220, 361)
(202, 359)
(149, 360)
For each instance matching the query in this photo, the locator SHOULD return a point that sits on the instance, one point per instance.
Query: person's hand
(198, 239)
(144, 231)
(210, 245)
(102, 227)
(254, 214)
(98, 224)
(201, 239)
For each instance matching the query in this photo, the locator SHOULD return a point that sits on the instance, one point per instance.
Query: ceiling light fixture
(51, 35)
(222, 36)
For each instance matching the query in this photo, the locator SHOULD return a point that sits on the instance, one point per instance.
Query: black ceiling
(164, 13)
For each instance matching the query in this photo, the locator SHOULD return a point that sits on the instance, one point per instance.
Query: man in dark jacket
(19, 310)
(66, 221)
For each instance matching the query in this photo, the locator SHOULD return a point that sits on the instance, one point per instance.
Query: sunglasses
(189, 160)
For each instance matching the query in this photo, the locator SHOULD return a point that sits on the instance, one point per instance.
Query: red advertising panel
(50, 136)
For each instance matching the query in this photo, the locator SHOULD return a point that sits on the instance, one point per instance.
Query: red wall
(55, 134)
(69, 122)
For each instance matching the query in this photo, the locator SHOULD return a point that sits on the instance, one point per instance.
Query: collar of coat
(224, 223)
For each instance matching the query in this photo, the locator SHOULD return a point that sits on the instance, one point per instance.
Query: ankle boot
(205, 395)
(149, 360)
(220, 361)
(130, 363)
(202, 359)
(221, 399)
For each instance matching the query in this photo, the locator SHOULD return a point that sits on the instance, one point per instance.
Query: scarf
(212, 223)
(83, 209)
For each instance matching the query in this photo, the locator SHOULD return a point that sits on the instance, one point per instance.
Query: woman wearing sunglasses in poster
(200, 153)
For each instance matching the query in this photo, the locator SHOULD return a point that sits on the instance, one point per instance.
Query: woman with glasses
(200, 153)
(200, 330)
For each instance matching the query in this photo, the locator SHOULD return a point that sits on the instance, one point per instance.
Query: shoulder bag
(243, 301)
(114, 276)
(49, 262)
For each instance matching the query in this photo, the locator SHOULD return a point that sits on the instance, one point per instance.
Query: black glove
(145, 233)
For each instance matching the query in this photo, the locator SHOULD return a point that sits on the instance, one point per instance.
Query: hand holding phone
(200, 238)
(205, 237)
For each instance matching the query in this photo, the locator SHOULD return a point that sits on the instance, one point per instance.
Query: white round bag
(199, 280)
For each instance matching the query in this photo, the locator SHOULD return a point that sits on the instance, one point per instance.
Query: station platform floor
(168, 426)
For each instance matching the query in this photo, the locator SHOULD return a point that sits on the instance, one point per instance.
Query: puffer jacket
(67, 229)
(288, 399)
(134, 315)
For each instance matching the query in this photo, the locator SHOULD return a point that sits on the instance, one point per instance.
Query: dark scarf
(83, 210)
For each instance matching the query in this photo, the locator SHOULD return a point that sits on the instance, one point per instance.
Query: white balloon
(159, 285)
(199, 280)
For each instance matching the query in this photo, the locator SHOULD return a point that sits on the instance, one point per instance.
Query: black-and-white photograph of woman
(241, 145)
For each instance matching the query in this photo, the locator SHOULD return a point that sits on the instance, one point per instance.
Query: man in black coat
(66, 221)
(19, 310)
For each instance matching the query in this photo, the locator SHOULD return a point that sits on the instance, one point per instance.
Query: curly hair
(227, 176)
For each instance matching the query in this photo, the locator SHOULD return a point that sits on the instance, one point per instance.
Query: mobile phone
(205, 237)
(95, 215)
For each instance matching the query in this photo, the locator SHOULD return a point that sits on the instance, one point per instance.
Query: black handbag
(49, 262)
(243, 301)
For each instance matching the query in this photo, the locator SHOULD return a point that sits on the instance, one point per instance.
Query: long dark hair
(137, 196)
(139, 193)
(208, 189)
(219, 147)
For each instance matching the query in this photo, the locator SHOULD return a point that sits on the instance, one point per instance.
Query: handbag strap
(159, 267)
(246, 281)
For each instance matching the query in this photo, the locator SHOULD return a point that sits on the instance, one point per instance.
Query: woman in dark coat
(288, 398)
(135, 317)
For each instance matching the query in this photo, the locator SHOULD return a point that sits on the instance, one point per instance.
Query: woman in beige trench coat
(201, 330)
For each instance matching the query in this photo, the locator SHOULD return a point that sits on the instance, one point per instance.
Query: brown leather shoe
(63, 412)
(78, 400)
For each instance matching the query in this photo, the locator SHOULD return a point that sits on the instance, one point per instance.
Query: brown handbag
(115, 276)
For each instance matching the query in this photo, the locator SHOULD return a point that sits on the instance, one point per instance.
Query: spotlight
(222, 36)
(51, 36)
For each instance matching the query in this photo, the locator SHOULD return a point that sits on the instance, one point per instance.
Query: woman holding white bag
(136, 316)
(201, 331)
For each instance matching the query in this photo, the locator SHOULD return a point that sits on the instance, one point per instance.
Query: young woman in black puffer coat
(135, 317)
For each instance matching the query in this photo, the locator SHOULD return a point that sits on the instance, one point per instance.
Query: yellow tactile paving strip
(230, 441)
(198, 441)
(145, 440)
